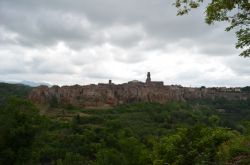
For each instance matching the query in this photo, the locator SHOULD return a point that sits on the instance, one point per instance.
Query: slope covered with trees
(199, 132)
(9, 90)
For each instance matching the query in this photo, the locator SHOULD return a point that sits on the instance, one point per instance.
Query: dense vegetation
(144, 133)
(195, 132)
(8, 90)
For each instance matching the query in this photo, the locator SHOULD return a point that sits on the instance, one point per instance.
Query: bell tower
(148, 80)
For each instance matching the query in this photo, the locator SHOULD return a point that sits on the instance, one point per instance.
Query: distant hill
(34, 84)
(18, 90)
(28, 83)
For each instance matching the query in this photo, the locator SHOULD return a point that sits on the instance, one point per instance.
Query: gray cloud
(118, 39)
(45, 28)
(218, 50)
(48, 22)
(240, 66)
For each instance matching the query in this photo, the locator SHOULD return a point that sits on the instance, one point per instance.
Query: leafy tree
(19, 125)
(9, 90)
(214, 120)
(235, 151)
(135, 152)
(196, 145)
(235, 12)
(246, 89)
(110, 157)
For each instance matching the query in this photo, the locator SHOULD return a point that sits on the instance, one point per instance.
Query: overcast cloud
(89, 41)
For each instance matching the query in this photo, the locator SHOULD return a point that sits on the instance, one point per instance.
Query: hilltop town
(110, 94)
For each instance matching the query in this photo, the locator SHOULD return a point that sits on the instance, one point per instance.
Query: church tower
(148, 80)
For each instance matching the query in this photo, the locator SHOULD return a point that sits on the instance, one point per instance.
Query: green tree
(195, 145)
(214, 120)
(135, 152)
(235, 12)
(235, 151)
(19, 125)
(110, 157)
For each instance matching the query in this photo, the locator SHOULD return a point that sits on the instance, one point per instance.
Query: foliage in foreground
(144, 133)
(235, 12)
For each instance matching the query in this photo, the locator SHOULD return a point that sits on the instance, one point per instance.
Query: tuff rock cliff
(102, 95)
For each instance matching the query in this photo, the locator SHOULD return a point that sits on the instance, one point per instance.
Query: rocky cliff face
(111, 95)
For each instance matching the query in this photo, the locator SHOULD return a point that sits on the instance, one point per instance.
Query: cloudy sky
(89, 41)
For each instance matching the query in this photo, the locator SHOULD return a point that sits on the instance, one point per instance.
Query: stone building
(153, 83)
(110, 94)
